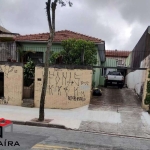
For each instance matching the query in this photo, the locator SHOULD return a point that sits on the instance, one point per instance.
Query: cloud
(135, 11)
(119, 23)
(23, 16)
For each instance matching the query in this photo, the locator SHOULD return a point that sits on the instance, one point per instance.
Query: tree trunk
(45, 80)
(47, 55)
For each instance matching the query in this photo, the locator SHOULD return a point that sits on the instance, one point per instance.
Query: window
(37, 57)
(119, 62)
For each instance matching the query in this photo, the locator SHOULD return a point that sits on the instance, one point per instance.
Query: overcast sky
(120, 23)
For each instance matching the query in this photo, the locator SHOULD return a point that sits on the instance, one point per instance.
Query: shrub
(29, 69)
(73, 50)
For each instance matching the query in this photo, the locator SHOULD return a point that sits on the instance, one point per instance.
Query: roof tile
(116, 53)
(59, 37)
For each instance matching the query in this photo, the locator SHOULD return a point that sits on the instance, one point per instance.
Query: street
(38, 138)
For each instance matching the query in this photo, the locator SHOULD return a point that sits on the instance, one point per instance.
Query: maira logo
(4, 124)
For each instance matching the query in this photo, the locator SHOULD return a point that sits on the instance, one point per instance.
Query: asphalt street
(38, 138)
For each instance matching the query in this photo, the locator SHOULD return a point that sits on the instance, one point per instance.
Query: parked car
(114, 78)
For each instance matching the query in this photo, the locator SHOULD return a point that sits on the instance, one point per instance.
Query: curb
(114, 134)
(39, 124)
(18, 122)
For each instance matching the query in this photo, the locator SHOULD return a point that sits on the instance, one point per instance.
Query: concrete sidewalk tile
(127, 122)
(92, 126)
(108, 128)
(68, 123)
(127, 132)
(145, 118)
(15, 116)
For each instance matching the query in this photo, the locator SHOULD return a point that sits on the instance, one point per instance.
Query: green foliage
(29, 69)
(149, 75)
(147, 99)
(54, 56)
(148, 86)
(73, 50)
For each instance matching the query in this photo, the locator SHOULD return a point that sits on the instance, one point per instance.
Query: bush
(147, 99)
(29, 69)
(148, 86)
(73, 50)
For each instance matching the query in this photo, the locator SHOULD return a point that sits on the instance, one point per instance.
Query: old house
(7, 45)
(38, 42)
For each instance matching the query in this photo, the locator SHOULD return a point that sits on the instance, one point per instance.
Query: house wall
(146, 62)
(128, 60)
(110, 62)
(142, 49)
(115, 60)
(97, 72)
(41, 47)
(7, 49)
(13, 83)
(66, 89)
(135, 80)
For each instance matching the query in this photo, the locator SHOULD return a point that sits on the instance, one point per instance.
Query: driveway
(134, 121)
(114, 97)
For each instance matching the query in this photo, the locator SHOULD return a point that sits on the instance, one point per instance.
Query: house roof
(116, 53)
(6, 35)
(2, 29)
(59, 37)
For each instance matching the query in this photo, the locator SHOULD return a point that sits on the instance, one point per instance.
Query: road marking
(49, 147)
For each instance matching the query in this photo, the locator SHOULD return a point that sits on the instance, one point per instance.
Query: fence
(8, 50)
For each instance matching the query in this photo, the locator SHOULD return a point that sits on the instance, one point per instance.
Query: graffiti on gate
(68, 83)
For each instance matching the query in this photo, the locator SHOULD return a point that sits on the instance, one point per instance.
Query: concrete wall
(146, 107)
(67, 88)
(13, 83)
(146, 62)
(135, 80)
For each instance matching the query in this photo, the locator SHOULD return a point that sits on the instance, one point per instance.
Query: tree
(78, 52)
(50, 10)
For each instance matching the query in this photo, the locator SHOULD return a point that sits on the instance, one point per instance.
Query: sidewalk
(128, 122)
(68, 118)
